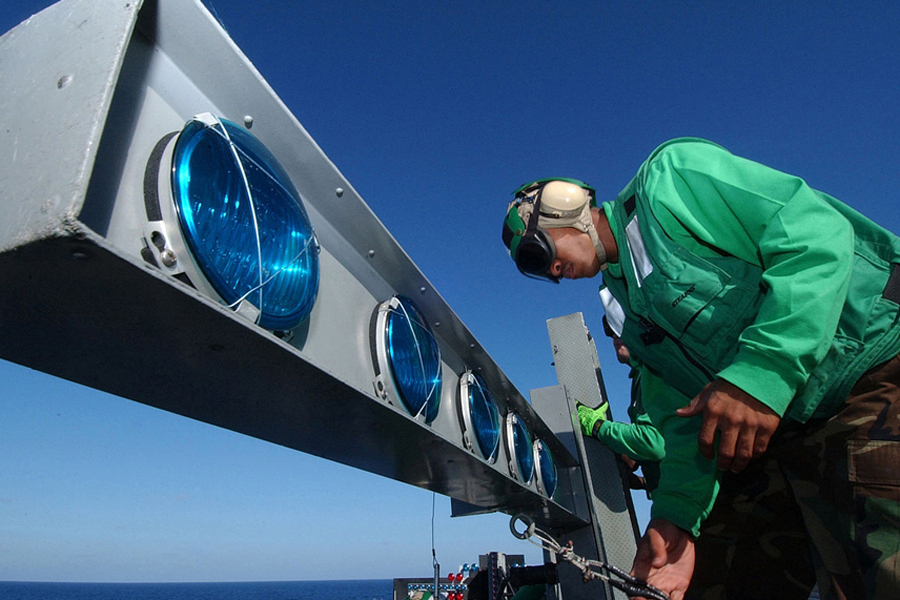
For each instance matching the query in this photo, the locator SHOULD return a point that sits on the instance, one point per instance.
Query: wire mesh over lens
(546, 468)
(524, 452)
(485, 417)
(244, 222)
(415, 359)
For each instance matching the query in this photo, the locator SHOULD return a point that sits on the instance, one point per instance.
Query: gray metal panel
(578, 369)
(553, 406)
(77, 300)
(58, 73)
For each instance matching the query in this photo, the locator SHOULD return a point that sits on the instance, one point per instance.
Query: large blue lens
(547, 469)
(415, 359)
(244, 222)
(522, 444)
(485, 417)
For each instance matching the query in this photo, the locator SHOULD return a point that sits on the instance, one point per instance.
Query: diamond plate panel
(578, 370)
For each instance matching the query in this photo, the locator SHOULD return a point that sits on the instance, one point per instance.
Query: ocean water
(368, 589)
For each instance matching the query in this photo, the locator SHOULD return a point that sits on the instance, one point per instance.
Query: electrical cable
(615, 576)
(434, 562)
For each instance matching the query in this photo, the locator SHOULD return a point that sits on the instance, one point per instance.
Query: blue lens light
(415, 359)
(244, 222)
(546, 468)
(522, 443)
(485, 417)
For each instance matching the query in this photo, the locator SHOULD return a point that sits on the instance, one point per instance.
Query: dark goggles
(535, 256)
(531, 247)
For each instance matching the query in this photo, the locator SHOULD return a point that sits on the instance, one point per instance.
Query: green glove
(591, 418)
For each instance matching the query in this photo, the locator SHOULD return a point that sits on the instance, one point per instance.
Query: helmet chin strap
(598, 246)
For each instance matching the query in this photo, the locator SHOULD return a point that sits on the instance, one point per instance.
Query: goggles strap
(535, 217)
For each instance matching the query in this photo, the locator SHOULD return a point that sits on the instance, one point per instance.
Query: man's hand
(745, 424)
(590, 418)
(665, 558)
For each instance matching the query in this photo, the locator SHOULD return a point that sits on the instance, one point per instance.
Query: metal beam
(90, 86)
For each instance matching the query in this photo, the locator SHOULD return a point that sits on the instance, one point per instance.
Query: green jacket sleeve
(713, 202)
(688, 483)
(639, 440)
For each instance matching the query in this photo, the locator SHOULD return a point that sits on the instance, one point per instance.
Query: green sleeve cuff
(762, 377)
(678, 510)
(641, 442)
(600, 428)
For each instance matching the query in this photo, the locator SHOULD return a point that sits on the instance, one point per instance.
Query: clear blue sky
(435, 112)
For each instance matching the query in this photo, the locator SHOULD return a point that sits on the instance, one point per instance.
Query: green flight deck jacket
(730, 269)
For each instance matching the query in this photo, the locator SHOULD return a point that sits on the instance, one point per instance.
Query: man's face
(575, 254)
(622, 354)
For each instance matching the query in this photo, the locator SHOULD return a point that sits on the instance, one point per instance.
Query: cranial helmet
(547, 204)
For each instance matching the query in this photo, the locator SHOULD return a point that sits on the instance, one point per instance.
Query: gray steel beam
(89, 87)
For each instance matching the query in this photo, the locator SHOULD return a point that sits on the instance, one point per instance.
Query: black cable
(433, 554)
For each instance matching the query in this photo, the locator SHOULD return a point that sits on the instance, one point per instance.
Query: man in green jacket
(638, 441)
(772, 305)
(730, 553)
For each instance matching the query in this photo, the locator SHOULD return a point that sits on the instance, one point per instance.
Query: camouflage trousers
(822, 505)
